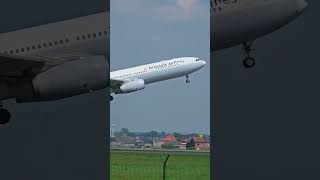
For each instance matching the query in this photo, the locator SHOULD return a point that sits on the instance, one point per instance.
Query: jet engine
(69, 79)
(132, 86)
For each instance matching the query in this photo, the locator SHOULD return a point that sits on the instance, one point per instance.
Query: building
(181, 146)
(139, 144)
(147, 142)
(169, 138)
(126, 142)
(157, 142)
(198, 143)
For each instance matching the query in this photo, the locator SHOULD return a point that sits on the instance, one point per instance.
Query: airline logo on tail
(217, 5)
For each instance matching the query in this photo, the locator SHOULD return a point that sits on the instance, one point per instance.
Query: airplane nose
(203, 63)
(302, 4)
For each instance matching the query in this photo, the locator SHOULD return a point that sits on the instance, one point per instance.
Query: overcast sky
(145, 31)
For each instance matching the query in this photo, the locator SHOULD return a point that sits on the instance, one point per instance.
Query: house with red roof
(169, 138)
(198, 143)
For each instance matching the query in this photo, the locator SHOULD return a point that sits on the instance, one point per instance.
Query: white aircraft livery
(135, 78)
(235, 22)
(54, 61)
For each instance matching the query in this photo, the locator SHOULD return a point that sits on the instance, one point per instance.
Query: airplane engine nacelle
(132, 86)
(70, 79)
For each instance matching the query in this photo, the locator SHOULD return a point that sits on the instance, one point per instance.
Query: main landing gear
(4, 116)
(187, 79)
(111, 98)
(248, 61)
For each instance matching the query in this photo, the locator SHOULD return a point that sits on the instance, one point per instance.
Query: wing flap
(12, 66)
(115, 85)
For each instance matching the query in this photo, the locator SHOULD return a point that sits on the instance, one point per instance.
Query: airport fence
(148, 166)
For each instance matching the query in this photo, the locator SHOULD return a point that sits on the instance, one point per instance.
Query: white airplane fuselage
(159, 71)
(81, 36)
(73, 53)
(54, 61)
(234, 22)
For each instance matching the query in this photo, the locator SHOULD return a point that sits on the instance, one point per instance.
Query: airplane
(241, 22)
(54, 61)
(136, 78)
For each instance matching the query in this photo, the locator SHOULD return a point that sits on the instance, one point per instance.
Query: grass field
(146, 165)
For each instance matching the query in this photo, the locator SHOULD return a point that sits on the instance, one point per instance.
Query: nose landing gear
(187, 79)
(248, 61)
(4, 116)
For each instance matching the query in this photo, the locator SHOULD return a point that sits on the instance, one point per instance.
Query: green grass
(148, 166)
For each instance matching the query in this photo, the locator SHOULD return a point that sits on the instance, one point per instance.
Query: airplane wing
(115, 84)
(22, 67)
(19, 67)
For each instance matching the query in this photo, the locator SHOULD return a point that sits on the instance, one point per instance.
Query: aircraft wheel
(4, 116)
(187, 79)
(249, 62)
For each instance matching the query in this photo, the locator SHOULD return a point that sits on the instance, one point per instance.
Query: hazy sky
(144, 31)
